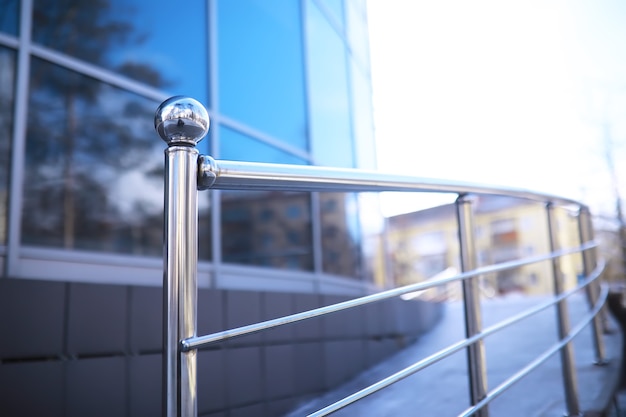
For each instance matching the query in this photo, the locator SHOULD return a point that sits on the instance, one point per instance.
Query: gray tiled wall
(70, 349)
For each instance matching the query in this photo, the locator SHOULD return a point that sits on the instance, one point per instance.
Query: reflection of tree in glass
(84, 136)
(94, 31)
(80, 152)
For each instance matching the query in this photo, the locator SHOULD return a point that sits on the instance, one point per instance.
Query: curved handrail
(237, 175)
(181, 122)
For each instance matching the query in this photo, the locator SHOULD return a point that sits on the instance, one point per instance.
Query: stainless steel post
(604, 314)
(584, 229)
(477, 366)
(181, 122)
(570, 383)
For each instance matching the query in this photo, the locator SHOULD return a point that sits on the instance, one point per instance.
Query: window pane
(260, 67)
(7, 84)
(267, 229)
(9, 16)
(95, 180)
(262, 228)
(341, 234)
(205, 240)
(236, 146)
(336, 8)
(331, 142)
(358, 33)
(363, 119)
(133, 37)
(372, 232)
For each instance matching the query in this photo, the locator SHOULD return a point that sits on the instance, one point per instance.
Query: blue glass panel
(263, 228)
(341, 235)
(7, 85)
(261, 74)
(236, 146)
(365, 152)
(97, 183)
(358, 34)
(331, 135)
(164, 46)
(9, 16)
(336, 8)
(252, 237)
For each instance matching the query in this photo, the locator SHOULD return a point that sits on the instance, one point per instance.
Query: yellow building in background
(423, 245)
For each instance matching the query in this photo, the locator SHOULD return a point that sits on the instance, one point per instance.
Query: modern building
(81, 201)
(424, 244)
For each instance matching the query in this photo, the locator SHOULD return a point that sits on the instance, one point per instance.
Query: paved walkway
(619, 409)
(442, 390)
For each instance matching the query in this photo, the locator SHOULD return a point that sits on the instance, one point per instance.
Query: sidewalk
(619, 409)
(442, 389)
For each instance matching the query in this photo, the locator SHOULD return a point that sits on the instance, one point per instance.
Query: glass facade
(284, 82)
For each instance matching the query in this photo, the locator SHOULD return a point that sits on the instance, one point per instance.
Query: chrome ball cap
(181, 120)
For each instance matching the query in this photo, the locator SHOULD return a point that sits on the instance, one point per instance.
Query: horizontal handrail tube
(455, 347)
(203, 341)
(236, 175)
(541, 358)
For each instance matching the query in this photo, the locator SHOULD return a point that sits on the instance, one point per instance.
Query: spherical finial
(181, 120)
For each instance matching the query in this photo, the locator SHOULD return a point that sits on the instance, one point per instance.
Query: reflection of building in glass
(81, 199)
(267, 229)
(341, 235)
(424, 244)
(274, 229)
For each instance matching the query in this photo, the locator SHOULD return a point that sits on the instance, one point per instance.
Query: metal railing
(182, 122)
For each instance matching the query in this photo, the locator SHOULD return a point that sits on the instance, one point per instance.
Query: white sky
(515, 93)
